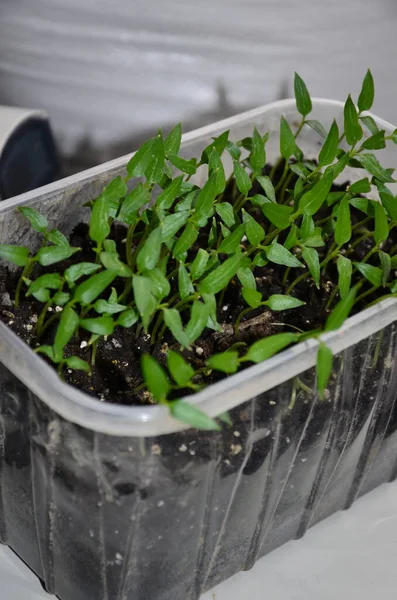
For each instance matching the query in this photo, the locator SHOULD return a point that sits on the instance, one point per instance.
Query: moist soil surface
(116, 373)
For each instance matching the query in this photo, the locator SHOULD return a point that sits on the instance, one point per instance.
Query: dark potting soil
(116, 373)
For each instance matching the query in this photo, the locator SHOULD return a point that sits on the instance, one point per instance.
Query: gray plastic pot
(108, 502)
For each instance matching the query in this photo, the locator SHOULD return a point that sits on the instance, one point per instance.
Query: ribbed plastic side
(111, 518)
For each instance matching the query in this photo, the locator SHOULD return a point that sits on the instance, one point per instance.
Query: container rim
(141, 421)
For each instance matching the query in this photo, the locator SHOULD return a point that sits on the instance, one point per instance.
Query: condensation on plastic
(106, 502)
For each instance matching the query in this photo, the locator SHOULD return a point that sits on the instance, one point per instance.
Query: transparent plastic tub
(108, 502)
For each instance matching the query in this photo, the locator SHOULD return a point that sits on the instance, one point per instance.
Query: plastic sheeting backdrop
(110, 72)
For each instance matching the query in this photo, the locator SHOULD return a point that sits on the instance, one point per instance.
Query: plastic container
(108, 502)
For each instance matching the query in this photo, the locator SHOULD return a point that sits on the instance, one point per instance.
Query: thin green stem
(24, 275)
(306, 273)
(302, 123)
(365, 294)
(42, 316)
(283, 177)
(94, 352)
(128, 245)
(240, 317)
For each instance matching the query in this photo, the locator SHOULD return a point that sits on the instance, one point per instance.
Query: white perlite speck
(28, 327)
(83, 344)
(58, 309)
(116, 343)
(160, 504)
(183, 448)
(199, 351)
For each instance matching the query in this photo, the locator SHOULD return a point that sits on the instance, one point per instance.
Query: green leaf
(375, 142)
(281, 302)
(344, 266)
(246, 278)
(323, 368)
(292, 237)
(198, 320)
(50, 281)
(68, 324)
(53, 254)
(233, 150)
(172, 224)
(111, 261)
(77, 364)
(341, 311)
(172, 142)
(243, 180)
(155, 378)
(56, 237)
(302, 96)
(137, 165)
(74, 272)
(17, 255)
(278, 215)
(144, 299)
(381, 224)
(314, 198)
(225, 211)
(389, 202)
(394, 136)
(42, 295)
(385, 261)
(218, 279)
(137, 198)
(362, 186)
(173, 320)
(204, 208)
(49, 351)
(155, 164)
(343, 230)
(281, 256)
(367, 94)
(38, 222)
(288, 145)
(185, 285)
(353, 130)
(267, 186)
(231, 243)
(115, 189)
(252, 297)
(216, 169)
(307, 227)
(225, 418)
(185, 241)
(370, 123)
(90, 289)
(109, 308)
(371, 273)
(258, 155)
(180, 370)
(161, 286)
(227, 362)
(110, 246)
(372, 165)
(98, 325)
(167, 197)
(219, 144)
(128, 318)
(255, 232)
(193, 416)
(259, 200)
(317, 127)
(186, 166)
(310, 256)
(266, 348)
(149, 254)
(61, 298)
(328, 151)
(99, 220)
(198, 266)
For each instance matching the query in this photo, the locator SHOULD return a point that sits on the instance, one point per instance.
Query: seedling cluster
(184, 246)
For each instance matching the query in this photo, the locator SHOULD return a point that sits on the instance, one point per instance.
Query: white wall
(109, 71)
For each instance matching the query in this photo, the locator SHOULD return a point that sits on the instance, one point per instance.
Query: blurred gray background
(109, 72)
